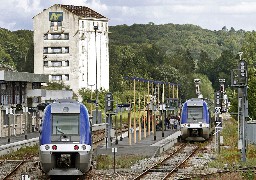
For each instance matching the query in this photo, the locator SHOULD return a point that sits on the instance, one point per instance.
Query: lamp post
(25, 112)
(96, 102)
(91, 96)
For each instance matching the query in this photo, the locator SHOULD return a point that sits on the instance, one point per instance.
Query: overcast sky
(209, 14)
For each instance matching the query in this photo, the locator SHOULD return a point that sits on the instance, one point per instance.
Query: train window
(65, 124)
(195, 113)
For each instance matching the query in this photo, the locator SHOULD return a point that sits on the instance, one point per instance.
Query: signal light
(18, 107)
(222, 88)
(76, 147)
(47, 147)
(54, 147)
(84, 147)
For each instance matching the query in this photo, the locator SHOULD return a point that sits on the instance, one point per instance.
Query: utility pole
(217, 120)
(163, 116)
(97, 98)
(9, 112)
(25, 112)
(239, 78)
(91, 85)
(109, 112)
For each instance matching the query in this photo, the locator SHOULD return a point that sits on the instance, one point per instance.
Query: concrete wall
(17, 123)
(52, 95)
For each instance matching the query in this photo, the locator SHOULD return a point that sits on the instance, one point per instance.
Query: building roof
(23, 77)
(81, 11)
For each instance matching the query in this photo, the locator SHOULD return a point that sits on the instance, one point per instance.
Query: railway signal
(109, 102)
(217, 99)
(239, 79)
(243, 72)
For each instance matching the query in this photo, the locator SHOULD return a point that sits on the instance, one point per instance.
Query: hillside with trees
(17, 49)
(173, 53)
(169, 52)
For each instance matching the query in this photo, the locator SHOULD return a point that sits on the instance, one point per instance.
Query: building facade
(20, 93)
(71, 45)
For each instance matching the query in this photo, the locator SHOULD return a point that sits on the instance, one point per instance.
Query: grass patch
(22, 153)
(107, 161)
(230, 155)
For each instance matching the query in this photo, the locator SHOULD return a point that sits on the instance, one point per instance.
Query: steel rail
(13, 170)
(184, 160)
(159, 163)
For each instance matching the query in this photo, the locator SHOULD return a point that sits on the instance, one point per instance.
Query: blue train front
(195, 120)
(65, 139)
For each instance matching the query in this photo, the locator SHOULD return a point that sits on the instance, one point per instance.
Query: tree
(56, 86)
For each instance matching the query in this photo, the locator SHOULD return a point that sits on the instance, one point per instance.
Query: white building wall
(81, 56)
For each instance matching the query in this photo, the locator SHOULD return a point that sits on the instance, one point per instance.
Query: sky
(208, 14)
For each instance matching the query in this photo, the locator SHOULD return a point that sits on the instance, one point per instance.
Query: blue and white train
(65, 139)
(196, 122)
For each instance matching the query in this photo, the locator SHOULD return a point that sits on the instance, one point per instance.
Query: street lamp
(96, 102)
(91, 96)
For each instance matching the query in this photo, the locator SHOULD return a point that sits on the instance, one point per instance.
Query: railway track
(169, 165)
(9, 167)
(219, 173)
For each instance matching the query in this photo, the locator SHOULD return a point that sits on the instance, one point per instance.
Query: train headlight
(76, 147)
(54, 147)
(84, 147)
(47, 147)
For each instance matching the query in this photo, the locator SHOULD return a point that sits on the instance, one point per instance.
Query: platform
(145, 147)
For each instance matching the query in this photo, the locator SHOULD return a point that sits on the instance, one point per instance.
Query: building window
(65, 63)
(6, 117)
(56, 50)
(83, 49)
(46, 63)
(56, 77)
(45, 50)
(56, 63)
(56, 36)
(54, 26)
(82, 24)
(66, 36)
(66, 50)
(45, 36)
(82, 36)
(36, 85)
(66, 77)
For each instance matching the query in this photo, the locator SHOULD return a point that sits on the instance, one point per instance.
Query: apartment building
(71, 45)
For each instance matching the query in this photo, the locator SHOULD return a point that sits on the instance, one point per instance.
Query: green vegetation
(23, 153)
(230, 156)
(107, 161)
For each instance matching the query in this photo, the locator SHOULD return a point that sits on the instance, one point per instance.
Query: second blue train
(196, 122)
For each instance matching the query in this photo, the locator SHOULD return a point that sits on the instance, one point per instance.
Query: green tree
(56, 86)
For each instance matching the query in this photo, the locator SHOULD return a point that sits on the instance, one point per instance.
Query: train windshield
(65, 124)
(195, 114)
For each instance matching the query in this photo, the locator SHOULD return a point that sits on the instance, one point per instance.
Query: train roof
(65, 106)
(195, 102)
